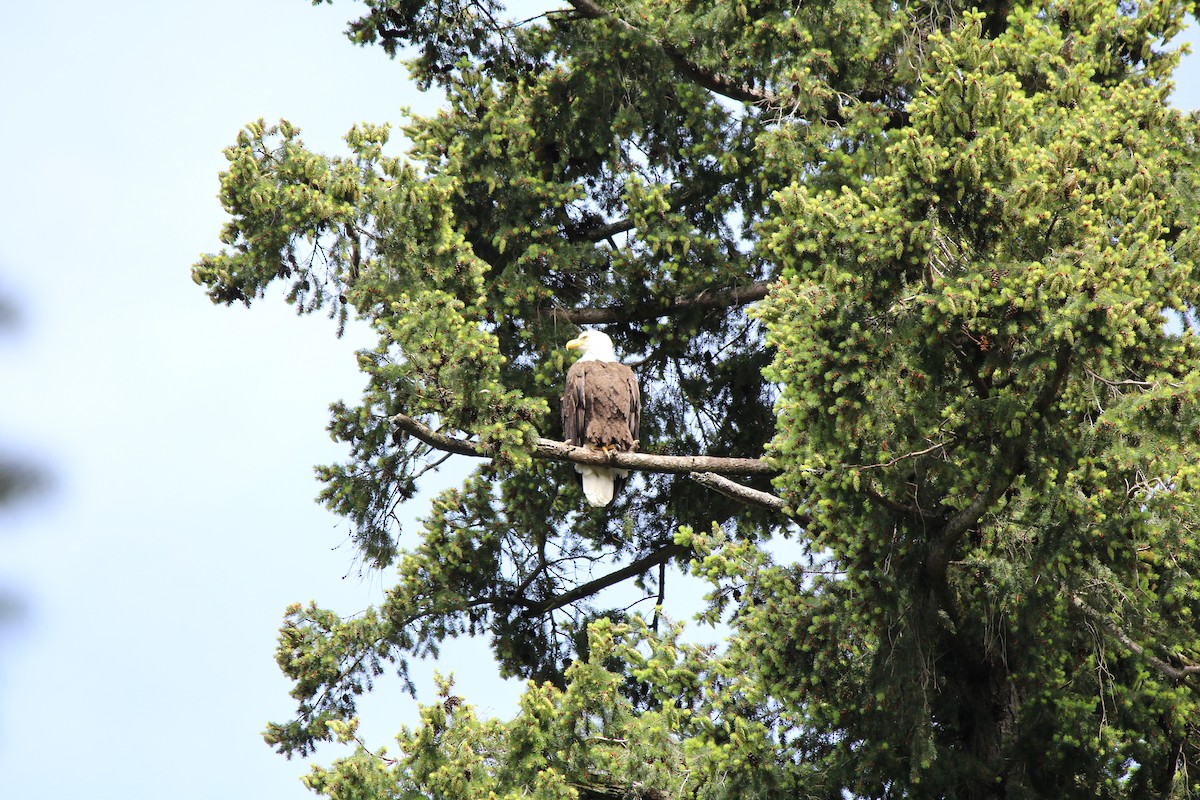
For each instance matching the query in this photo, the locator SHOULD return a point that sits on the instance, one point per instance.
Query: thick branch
(439, 441)
(715, 82)
(558, 451)
(648, 462)
(1172, 672)
(1053, 388)
(943, 545)
(659, 556)
(710, 298)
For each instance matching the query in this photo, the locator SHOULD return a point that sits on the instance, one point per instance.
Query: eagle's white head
(593, 346)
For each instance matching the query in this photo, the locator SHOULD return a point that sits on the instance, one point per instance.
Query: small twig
(609, 740)
(432, 466)
(898, 459)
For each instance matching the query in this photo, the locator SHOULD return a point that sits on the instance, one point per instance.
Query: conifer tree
(912, 284)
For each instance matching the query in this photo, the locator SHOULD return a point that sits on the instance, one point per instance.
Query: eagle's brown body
(601, 410)
(601, 407)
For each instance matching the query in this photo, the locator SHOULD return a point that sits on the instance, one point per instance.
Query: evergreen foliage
(934, 263)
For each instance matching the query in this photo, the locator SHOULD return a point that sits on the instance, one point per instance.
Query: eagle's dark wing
(601, 406)
(574, 404)
(635, 404)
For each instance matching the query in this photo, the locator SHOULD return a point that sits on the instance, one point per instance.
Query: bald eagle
(601, 410)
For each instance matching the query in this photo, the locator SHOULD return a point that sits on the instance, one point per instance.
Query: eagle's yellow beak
(575, 344)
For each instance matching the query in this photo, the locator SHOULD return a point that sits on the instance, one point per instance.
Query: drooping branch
(710, 298)
(1170, 671)
(558, 451)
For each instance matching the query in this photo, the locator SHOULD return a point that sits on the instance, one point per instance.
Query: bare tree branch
(1170, 671)
(659, 556)
(737, 491)
(710, 298)
(558, 451)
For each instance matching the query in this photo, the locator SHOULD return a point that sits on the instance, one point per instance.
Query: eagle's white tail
(599, 483)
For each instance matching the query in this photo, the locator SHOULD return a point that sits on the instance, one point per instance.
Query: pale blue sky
(181, 435)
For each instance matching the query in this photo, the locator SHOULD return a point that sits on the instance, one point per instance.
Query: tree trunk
(982, 704)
